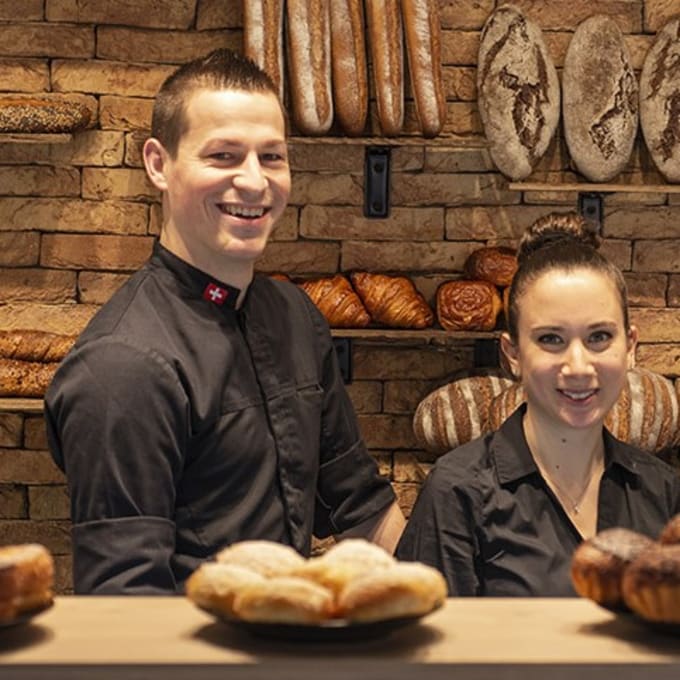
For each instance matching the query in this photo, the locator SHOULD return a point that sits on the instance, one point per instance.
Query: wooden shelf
(585, 187)
(34, 138)
(428, 335)
(458, 141)
(21, 404)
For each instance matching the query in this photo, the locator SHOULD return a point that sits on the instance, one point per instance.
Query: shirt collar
(200, 284)
(514, 460)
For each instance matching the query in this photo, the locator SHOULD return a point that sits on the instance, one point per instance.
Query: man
(203, 405)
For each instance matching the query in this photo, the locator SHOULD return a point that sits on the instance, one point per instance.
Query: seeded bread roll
(309, 64)
(660, 101)
(25, 378)
(386, 46)
(29, 345)
(263, 37)
(35, 115)
(349, 65)
(598, 564)
(600, 99)
(468, 305)
(518, 91)
(26, 579)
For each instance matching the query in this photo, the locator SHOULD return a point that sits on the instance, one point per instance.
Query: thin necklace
(574, 502)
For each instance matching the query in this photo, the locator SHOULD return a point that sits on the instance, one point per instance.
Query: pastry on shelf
(337, 301)
(496, 264)
(392, 301)
(465, 305)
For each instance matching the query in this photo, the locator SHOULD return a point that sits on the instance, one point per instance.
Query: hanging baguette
(349, 69)
(309, 64)
(263, 37)
(32, 345)
(386, 43)
(422, 32)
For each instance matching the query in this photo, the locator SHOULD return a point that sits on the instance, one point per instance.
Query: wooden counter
(122, 638)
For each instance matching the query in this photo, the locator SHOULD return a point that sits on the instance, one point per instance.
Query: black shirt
(488, 521)
(184, 425)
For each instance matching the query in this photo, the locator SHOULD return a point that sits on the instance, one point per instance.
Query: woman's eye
(549, 339)
(600, 337)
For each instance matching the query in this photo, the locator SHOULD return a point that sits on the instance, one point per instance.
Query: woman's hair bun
(554, 229)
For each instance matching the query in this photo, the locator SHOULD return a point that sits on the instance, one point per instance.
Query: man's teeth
(578, 395)
(238, 211)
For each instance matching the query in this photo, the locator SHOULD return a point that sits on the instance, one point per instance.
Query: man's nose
(250, 176)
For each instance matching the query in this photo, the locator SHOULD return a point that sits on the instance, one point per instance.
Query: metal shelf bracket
(591, 209)
(377, 181)
(343, 350)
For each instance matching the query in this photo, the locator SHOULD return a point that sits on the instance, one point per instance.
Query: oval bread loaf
(599, 99)
(518, 91)
(35, 115)
(660, 101)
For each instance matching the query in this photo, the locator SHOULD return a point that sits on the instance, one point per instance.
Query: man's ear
(511, 354)
(155, 161)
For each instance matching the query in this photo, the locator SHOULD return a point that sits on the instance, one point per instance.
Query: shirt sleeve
(115, 417)
(350, 490)
(440, 532)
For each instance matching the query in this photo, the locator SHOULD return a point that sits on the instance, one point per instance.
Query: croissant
(468, 305)
(393, 300)
(337, 301)
(29, 345)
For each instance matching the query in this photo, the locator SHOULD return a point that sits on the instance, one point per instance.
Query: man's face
(229, 182)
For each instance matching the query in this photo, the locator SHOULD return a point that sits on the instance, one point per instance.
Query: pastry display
(337, 301)
(651, 584)
(354, 581)
(465, 305)
(392, 300)
(496, 264)
(598, 564)
(26, 579)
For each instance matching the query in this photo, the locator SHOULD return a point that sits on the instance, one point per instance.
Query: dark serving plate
(333, 630)
(24, 617)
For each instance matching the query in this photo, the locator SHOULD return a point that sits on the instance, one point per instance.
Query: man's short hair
(221, 69)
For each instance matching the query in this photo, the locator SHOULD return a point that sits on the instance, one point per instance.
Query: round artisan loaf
(518, 91)
(645, 415)
(26, 579)
(660, 101)
(599, 99)
(28, 114)
(457, 412)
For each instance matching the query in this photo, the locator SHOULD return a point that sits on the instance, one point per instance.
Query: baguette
(348, 61)
(422, 32)
(263, 37)
(309, 65)
(25, 378)
(386, 41)
(29, 345)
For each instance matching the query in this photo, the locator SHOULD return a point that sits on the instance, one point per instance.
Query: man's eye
(222, 156)
(273, 157)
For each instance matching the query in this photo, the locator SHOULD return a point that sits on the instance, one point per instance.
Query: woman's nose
(577, 360)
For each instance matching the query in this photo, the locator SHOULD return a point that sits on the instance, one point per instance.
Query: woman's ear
(510, 353)
(155, 161)
(632, 345)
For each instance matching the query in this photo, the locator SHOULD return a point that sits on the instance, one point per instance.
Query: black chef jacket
(184, 425)
(488, 521)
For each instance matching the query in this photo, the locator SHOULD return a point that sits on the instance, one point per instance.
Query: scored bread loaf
(337, 301)
(457, 412)
(660, 101)
(263, 38)
(309, 64)
(30, 345)
(349, 65)
(25, 378)
(386, 46)
(422, 33)
(465, 305)
(495, 264)
(392, 300)
(38, 115)
(600, 99)
(518, 91)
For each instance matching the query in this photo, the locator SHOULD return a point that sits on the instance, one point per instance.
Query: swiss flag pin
(216, 294)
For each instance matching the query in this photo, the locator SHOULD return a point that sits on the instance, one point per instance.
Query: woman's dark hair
(559, 241)
(222, 69)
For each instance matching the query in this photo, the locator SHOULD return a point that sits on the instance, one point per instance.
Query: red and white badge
(214, 293)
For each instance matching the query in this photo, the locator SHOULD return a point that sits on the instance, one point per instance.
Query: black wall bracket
(343, 350)
(377, 181)
(590, 208)
(486, 353)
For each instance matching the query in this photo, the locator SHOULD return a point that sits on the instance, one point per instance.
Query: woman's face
(572, 350)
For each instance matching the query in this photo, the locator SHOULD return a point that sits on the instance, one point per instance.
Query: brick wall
(76, 218)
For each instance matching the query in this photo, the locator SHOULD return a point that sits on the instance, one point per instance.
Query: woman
(502, 515)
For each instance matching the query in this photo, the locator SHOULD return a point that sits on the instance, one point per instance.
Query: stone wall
(77, 217)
